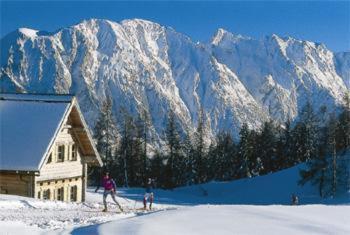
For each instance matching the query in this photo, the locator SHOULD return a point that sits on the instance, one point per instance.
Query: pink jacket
(108, 183)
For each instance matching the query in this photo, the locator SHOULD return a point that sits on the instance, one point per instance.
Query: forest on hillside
(320, 141)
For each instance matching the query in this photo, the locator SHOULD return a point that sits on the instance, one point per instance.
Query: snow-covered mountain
(283, 73)
(342, 61)
(151, 69)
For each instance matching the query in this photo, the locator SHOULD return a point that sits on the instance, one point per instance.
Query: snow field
(249, 206)
(44, 216)
(233, 219)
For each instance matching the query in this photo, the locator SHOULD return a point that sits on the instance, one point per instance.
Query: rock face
(342, 62)
(149, 69)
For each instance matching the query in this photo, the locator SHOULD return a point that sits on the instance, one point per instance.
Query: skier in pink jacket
(110, 188)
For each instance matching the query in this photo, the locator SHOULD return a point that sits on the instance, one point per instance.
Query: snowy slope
(187, 210)
(208, 219)
(274, 188)
(151, 69)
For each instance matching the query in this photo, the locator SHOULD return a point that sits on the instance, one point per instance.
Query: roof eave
(22, 171)
(97, 155)
(73, 103)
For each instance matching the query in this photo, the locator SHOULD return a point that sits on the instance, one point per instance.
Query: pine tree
(297, 144)
(232, 158)
(180, 170)
(343, 127)
(174, 151)
(141, 140)
(310, 128)
(138, 154)
(267, 147)
(216, 158)
(105, 134)
(288, 145)
(342, 139)
(331, 127)
(223, 158)
(157, 169)
(317, 167)
(129, 151)
(212, 159)
(343, 172)
(189, 159)
(316, 173)
(245, 152)
(284, 146)
(255, 161)
(304, 135)
(199, 153)
(322, 169)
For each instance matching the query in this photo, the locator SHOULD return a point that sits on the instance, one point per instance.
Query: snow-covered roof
(37, 97)
(28, 126)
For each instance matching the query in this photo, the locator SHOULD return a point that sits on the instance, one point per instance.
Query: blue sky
(320, 21)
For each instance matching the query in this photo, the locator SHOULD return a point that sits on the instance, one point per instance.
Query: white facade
(57, 172)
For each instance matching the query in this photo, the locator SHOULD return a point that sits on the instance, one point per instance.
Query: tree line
(318, 140)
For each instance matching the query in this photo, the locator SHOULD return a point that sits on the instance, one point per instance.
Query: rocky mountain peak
(151, 69)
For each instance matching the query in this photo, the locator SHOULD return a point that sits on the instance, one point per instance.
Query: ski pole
(135, 205)
(127, 200)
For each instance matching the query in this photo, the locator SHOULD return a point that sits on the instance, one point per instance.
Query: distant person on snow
(295, 200)
(148, 194)
(110, 188)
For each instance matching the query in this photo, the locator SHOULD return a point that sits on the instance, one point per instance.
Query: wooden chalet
(45, 147)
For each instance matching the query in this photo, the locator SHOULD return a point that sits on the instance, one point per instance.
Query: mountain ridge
(151, 69)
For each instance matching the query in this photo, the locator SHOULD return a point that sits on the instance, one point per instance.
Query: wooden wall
(17, 184)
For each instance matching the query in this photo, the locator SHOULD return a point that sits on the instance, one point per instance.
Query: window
(49, 160)
(69, 156)
(74, 152)
(60, 194)
(73, 193)
(3, 190)
(60, 153)
(46, 194)
(39, 195)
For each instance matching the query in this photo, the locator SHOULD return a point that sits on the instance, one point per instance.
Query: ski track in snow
(49, 215)
(58, 218)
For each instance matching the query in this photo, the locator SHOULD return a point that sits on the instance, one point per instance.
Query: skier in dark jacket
(295, 200)
(110, 188)
(148, 194)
